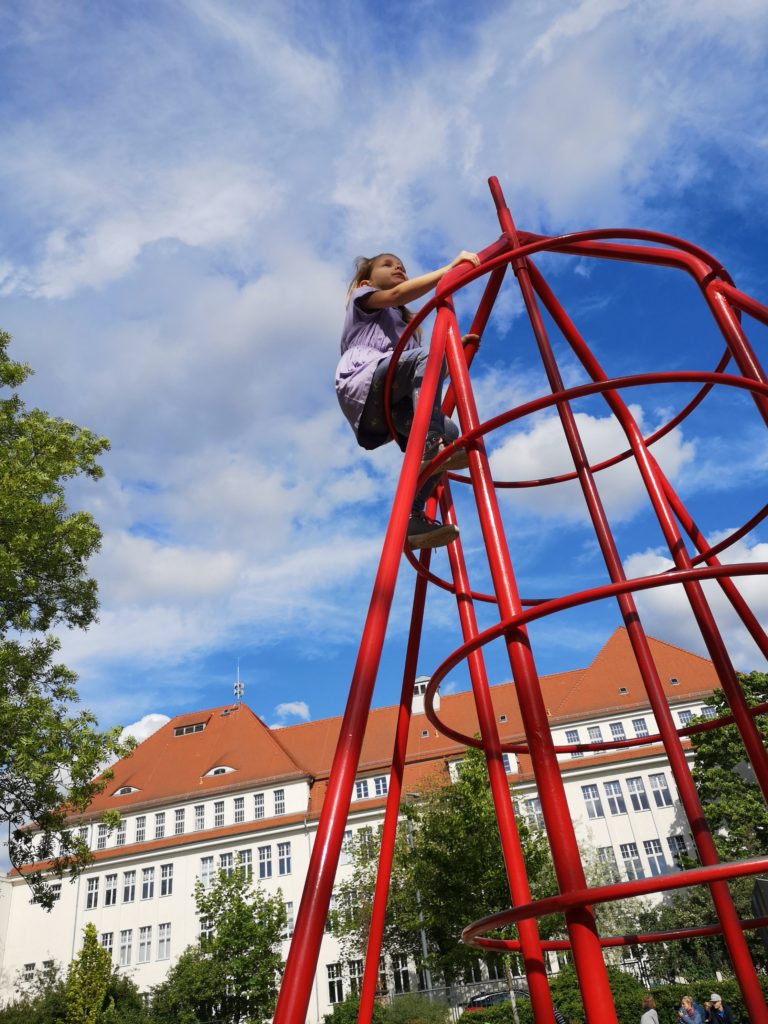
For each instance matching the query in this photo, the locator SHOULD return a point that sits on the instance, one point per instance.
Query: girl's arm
(415, 287)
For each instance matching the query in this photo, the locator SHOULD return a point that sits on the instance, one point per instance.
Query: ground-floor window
(401, 974)
(356, 976)
(335, 985)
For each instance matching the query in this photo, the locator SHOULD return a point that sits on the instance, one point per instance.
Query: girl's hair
(649, 1002)
(363, 268)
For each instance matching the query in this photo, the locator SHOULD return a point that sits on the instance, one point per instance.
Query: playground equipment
(695, 560)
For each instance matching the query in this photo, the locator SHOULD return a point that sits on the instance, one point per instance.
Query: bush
(416, 1010)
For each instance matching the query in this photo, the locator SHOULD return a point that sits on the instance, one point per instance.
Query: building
(212, 786)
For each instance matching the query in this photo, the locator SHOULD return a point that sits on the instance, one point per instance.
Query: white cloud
(291, 709)
(541, 451)
(144, 728)
(666, 613)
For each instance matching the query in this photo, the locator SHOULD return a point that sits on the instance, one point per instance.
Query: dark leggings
(405, 394)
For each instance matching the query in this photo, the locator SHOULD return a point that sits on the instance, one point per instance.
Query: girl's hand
(468, 257)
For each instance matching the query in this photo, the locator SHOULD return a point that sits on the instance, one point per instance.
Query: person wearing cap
(719, 1012)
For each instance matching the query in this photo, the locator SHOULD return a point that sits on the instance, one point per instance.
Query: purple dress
(366, 339)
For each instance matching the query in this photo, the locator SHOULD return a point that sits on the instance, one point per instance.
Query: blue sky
(183, 188)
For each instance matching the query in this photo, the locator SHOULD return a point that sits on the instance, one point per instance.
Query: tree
(232, 973)
(447, 871)
(733, 803)
(49, 755)
(88, 980)
(738, 818)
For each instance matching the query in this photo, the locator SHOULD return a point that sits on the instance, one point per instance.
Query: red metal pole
(296, 987)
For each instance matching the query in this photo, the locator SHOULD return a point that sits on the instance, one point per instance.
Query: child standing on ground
(375, 320)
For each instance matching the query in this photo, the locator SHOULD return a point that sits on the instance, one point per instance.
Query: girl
(376, 318)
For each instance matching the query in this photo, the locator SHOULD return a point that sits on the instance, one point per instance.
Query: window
(164, 941)
(533, 812)
(595, 734)
(239, 809)
(141, 828)
(678, 849)
(617, 731)
(640, 726)
(206, 871)
(685, 717)
(179, 823)
(55, 888)
(383, 985)
(160, 825)
(101, 841)
(623, 691)
(218, 814)
(129, 886)
(289, 921)
(572, 736)
(279, 801)
(92, 894)
(346, 848)
(245, 863)
(258, 805)
(381, 785)
(607, 856)
(401, 973)
(227, 864)
(425, 734)
(108, 942)
(632, 863)
(660, 789)
(506, 760)
(708, 712)
(126, 942)
(332, 907)
(28, 972)
(674, 681)
(145, 944)
(147, 883)
(166, 879)
(110, 890)
(361, 789)
(655, 855)
(199, 817)
(265, 862)
(206, 930)
(283, 858)
(220, 769)
(592, 800)
(637, 793)
(355, 976)
(120, 834)
(615, 797)
(335, 986)
(185, 730)
(125, 790)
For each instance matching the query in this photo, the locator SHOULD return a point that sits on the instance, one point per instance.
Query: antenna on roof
(239, 686)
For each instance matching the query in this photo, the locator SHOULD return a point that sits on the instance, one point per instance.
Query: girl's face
(387, 271)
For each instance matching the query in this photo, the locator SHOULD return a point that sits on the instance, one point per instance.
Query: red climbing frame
(694, 561)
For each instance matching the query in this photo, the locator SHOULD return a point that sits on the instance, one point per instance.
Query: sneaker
(424, 532)
(459, 459)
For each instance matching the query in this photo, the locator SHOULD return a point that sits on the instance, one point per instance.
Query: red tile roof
(168, 767)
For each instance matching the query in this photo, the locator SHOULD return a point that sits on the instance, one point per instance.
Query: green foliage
(49, 755)
(414, 1009)
(234, 974)
(668, 996)
(733, 804)
(346, 1012)
(88, 980)
(450, 834)
(738, 818)
(44, 1001)
(406, 1009)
